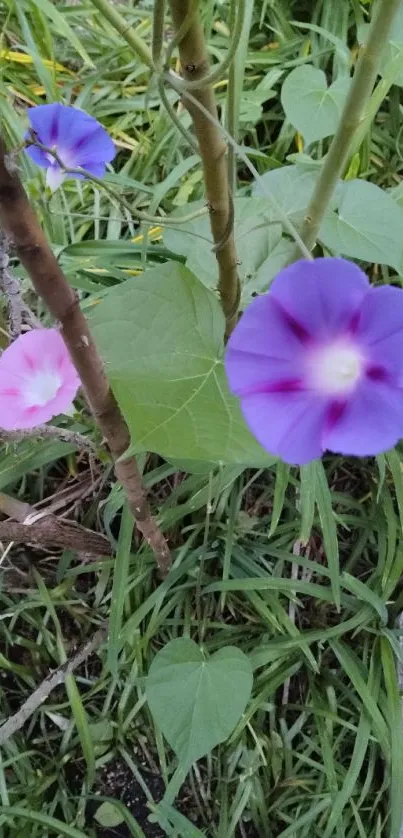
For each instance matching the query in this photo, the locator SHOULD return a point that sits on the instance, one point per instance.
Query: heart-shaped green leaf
(196, 700)
(312, 107)
(161, 336)
(256, 235)
(368, 225)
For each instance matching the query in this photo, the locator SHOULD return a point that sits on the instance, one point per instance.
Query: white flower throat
(41, 388)
(336, 368)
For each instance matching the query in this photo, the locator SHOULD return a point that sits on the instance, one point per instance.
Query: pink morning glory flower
(317, 363)
(37, 380)
(78, 139)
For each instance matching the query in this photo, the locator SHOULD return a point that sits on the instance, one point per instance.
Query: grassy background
(318, 752)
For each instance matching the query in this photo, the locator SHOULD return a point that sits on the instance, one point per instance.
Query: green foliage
(263, 559)
(197, 700)
(366, 226)
(162, 338)
(108, 815)
(312, 107)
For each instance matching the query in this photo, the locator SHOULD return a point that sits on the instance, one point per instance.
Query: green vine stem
(176, 82)
(158, 34)
(353, 114)
(119, 23)
(195, 66)
(160, 220)
(176, 118)
(231, 110)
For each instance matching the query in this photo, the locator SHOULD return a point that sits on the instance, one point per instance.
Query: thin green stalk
(351, 118)
(176, 118)
(119, 23)
(234, 91)
(158, 34)
(381, 91)
(232, 111)
(141, 216)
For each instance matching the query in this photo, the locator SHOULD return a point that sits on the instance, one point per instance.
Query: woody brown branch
(195, 65)
(20, 223)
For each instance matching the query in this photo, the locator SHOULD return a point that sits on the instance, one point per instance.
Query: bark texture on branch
(20, 223)
(51, 531)
(195, 65)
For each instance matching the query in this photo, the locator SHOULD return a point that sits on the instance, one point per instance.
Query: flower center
(336, 368)
(41, 388)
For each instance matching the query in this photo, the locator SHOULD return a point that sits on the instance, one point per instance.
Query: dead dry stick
(20, 224)
(195, 65)
(17, 721)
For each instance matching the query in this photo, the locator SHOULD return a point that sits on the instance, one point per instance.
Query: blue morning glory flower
(77, 138)
(317, 363)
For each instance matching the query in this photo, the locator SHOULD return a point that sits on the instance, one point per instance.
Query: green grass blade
(394, 720)
(119, 589)
(307, 500)
(44, 820)
(329, 530)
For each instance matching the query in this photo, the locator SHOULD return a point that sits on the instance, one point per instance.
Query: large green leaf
(292, 188)
(256, 235)
(311, 106)
(197, 700)
(162, 339)
(368, 225)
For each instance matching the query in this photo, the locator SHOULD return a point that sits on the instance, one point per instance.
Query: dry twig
(17, 721)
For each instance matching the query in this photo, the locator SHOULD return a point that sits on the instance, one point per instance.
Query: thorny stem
(195, 66)
(350, 120)
(20, 223)
(127, 32)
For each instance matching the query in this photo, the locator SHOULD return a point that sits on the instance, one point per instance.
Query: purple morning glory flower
(78, 139)
(318, 363)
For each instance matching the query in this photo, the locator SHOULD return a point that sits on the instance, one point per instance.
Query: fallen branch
(21, 225)
(53, 680)
(50, 531)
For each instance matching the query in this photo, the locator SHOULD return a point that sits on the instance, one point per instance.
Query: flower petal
(36, 353)
(38, 156)
(371, 421)
(380, 329)
(288, 425)
(263, 349)
(45, 121)
(78, 137)
(55, 177)
(322, 296)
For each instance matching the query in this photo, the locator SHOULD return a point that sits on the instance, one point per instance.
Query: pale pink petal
(37, 380)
